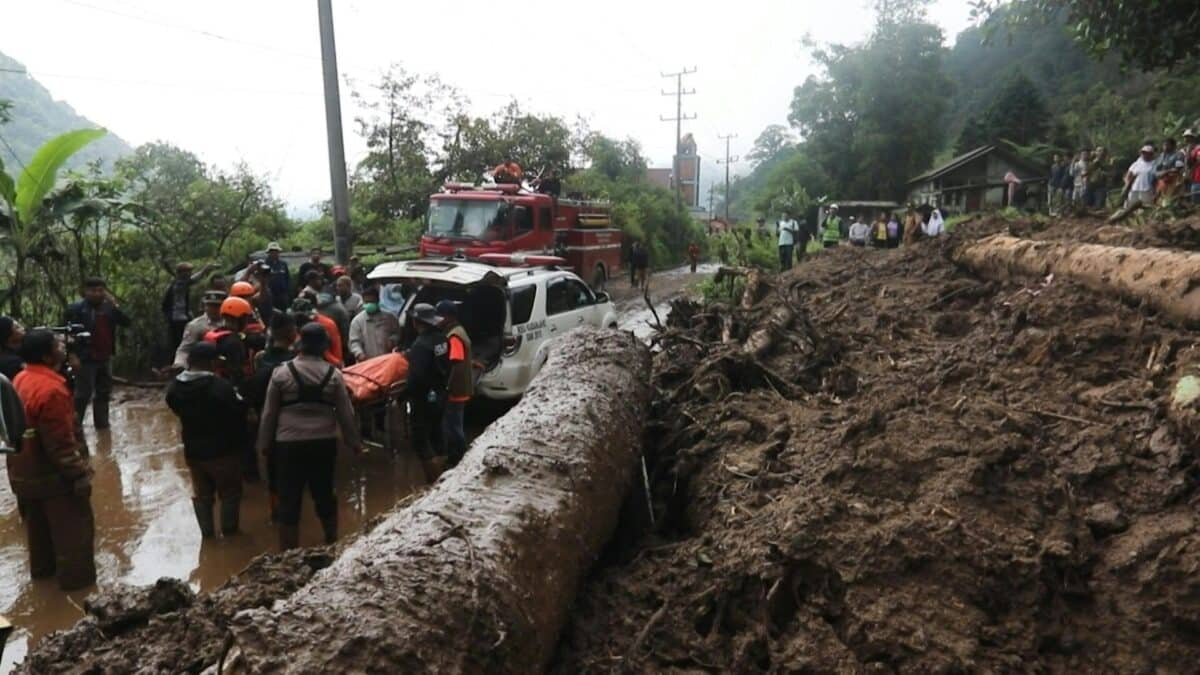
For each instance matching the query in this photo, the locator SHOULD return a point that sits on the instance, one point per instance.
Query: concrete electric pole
(728, 160)
(342, 239)
(678, 119)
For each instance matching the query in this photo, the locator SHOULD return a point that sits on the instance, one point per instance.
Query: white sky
(241, 80)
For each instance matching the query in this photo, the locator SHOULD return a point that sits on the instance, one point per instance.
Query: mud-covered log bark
(1168, 281)
(478, 575)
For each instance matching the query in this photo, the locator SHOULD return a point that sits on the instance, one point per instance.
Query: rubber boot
(330, 525)
(204, 516)
(231, 511)
(289, 537)
(100, 414)
(434, 467)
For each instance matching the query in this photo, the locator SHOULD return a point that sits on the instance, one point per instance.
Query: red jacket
(51, 462)
(334, 353)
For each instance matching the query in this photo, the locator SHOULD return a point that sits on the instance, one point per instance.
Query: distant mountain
(37, 117)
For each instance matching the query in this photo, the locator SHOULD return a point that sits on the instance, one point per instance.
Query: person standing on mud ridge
(460, 385)
(913, 225)
(428, 374)
(100, 316)
(307, 405)
(788, 229)
(832, 233)
(51, 476)
(209, 410)
(1139, 179)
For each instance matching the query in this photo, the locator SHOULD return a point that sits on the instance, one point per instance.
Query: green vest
(833, 229)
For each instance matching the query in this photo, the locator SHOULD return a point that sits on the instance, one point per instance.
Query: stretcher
(377, 388)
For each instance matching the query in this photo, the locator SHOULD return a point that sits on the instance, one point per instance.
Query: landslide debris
(922, 472)
(166, 628)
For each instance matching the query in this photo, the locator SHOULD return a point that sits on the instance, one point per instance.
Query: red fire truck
(502, 218)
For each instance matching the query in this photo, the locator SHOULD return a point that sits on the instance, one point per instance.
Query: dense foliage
(1030, 85)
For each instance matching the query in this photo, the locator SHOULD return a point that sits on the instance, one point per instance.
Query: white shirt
(1143, 175)
(787, 232)
(858, 231)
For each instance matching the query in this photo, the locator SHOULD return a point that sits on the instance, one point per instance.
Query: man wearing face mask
(373, 332)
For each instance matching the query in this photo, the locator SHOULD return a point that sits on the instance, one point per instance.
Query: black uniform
(428, 372)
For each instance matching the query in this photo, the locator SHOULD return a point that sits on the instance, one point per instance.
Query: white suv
(510, 313)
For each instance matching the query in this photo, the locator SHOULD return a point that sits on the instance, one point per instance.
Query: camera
(75, 335)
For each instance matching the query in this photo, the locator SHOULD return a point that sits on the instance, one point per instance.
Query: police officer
(428, 372)
(307, 404)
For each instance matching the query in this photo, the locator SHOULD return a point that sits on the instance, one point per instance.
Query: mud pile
(922, 472)
(166, 628)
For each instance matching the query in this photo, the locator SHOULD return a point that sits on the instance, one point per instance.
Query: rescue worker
(832, 233)
(100, 315)
(313, 264)
(281, 277)
(373, 332)
(350, 300)
(51, 476)
(237, 347)
(208, 407)
(304, 311)
(177, 301)
(460, 384)
(693, 253)
(428, 371)
(280, 350)
(198, 327)
(11, 335)
(307, 403)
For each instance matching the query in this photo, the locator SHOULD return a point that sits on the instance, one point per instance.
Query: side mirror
(602, 297)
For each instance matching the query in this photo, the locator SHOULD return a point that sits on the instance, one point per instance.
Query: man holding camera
(51, 476)
(100, 316)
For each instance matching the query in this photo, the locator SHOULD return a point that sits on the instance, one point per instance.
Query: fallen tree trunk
(1168, 281)
(478, 575)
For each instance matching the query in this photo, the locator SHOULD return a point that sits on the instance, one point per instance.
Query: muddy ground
(146, 531)
(924, 472)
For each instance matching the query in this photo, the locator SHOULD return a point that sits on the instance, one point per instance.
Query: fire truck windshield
(466, 219)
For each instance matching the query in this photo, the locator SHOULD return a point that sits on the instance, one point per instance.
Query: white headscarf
(936, 225)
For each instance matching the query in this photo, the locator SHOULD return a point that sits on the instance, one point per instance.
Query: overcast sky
(241, 80)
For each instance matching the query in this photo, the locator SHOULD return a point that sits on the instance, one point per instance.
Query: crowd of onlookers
(1160, 174)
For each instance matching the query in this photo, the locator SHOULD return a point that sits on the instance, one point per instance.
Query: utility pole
(333, 127)
(678, 119)
(710, 198)
(728, 160)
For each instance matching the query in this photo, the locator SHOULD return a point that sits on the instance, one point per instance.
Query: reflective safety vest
(833, 229)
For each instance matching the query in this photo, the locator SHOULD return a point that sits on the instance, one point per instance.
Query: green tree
(1017, 114)
(23, 200)
(769, 143)
(1147, 35)
(872, 118)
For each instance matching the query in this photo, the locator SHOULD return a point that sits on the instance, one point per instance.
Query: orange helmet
(236, 307)
(242, 289)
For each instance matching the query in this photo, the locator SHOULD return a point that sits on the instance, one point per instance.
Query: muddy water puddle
(145, 528)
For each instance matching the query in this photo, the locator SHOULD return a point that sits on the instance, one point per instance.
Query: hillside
(38, 117)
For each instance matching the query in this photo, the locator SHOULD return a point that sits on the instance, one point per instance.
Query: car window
(523, 219)
(558, 298)
(546, 218)
(522, 303)
(578, 294)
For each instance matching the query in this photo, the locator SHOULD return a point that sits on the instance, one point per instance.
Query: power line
(150, 83)
(678, 119)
